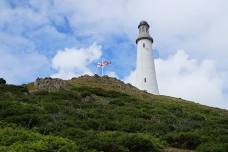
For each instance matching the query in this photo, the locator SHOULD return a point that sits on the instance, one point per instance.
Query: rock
(49, 84)
(88, 99)
(96, 76)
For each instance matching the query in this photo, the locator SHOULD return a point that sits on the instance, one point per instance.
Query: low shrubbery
(124, 142)
(102, 120)
(185, 140)
(2, 81)
(213, 147)
(20, 140)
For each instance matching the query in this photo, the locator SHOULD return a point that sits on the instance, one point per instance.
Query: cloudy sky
(66, 38)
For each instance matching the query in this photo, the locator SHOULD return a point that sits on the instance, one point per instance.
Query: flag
(100, 65)
(106, 62)
(103, 63)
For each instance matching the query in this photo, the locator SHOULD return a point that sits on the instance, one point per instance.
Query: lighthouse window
(144, 45)
(145, 80)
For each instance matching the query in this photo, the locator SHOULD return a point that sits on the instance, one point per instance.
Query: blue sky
(66, 38)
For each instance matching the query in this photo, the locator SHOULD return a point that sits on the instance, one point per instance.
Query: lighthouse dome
(143, 23)
(144, 32)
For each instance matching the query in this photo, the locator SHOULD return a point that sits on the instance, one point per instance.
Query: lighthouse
(145, 68)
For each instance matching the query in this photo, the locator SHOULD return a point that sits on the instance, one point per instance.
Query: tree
(2, 81)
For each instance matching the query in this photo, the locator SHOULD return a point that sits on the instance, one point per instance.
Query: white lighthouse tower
(145, 69)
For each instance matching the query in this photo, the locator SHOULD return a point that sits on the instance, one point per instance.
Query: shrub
(2, 81)
(186, 140)
(101, 92)
(197, 117)
(125, 142)
(117, 102)
(111, 147)
(213, 147)
(21, 140)
(176, 111)
(85, 93)
(138, 143)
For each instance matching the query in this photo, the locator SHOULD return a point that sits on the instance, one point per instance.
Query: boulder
(49, 84)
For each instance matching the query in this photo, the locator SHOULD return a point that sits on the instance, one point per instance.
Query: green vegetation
(21, 140)
(2, 81)
(91, 116)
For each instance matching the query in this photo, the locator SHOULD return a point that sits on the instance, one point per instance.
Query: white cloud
(108, 16)
(21, 68)
(179, 75)
(191, 79)
(72, 62)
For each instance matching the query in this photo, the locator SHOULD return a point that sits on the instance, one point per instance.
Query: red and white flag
(103, 63)
(100, 65)
(106, 62)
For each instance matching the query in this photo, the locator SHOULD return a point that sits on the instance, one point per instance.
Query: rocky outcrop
(49, 84)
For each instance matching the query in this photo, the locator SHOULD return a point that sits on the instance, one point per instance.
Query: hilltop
(92, 113)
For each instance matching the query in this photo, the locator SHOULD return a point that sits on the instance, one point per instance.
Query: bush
(184, 140)
(85, 93)
(2, 81)
(213, 147)
(101, 92)
(137, 143)
(21, 140)
(117, 102)
(125, 142)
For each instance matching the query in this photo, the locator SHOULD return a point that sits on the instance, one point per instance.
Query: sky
(66, 38)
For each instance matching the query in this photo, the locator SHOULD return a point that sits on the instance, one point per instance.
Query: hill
(91, 114)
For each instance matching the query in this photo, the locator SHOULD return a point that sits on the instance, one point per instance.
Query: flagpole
(102, 68)
(102, 71)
